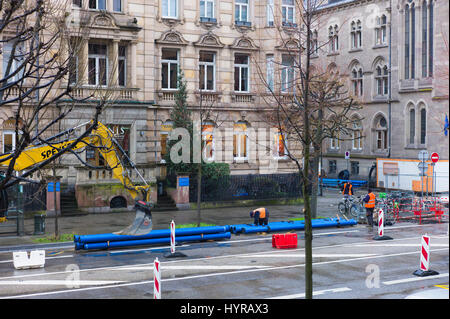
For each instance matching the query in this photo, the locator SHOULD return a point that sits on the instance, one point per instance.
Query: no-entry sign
(434, 157)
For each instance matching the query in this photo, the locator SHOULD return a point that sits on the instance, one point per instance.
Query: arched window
(381, 133)
(410, 39)
(357, 81)
(357, 134)
(356, 34)
(382, 80)
(412, 125)
(333, 38)
(380, 30)
(423, 126)
(427, 38)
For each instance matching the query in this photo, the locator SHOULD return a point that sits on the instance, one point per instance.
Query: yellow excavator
(102, 139)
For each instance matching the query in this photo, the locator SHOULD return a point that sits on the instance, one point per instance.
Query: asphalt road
(347, 264)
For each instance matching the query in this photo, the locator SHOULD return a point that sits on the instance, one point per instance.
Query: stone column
(182, 194)
(132, 63)
(51, 192)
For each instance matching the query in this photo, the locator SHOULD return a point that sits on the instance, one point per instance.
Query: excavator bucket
(142, 223)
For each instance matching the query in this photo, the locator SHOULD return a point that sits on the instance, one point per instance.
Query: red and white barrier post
(424, 266)
(172, 237)
(156, 279)
(381, 235)
(172, 243)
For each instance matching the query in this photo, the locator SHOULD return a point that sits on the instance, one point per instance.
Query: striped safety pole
(424, 265)
(381, 222)
(156, 279)
(425, 253)
(172, 237)
(381, 235)
(172, 253)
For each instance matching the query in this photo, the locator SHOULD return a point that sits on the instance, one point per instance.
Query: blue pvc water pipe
(151, 241)
(159, 233)
(290, 225)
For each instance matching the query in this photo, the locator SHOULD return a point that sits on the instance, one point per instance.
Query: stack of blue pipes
(290, 225)
(160, 236)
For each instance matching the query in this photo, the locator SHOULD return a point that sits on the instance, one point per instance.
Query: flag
(446, 125)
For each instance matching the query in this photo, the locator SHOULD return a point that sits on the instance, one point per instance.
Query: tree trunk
(199, 192)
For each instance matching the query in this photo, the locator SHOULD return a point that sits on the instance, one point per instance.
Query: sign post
(434, 159)
(423, 167)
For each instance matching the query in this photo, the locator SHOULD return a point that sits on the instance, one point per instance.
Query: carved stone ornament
(172, 37)
(290, 44)
(244, 43)
(209, 40)
(103, 19)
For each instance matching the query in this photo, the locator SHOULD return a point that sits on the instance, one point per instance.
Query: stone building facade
(230, 51)
(394, 54)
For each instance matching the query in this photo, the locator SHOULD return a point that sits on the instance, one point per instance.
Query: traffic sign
(423, 156)
(347, 155)
(434, 157)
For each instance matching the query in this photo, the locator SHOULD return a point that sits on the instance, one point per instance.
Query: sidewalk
(99, 223)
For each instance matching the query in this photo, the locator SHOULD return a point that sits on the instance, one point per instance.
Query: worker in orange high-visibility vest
(347, 189)
(370, 206)
(260, 216)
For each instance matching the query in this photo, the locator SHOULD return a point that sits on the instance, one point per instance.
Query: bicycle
(388, 205)
(348, 206)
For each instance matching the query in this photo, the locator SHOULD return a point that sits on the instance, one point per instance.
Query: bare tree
(310, 105)
(41, 81)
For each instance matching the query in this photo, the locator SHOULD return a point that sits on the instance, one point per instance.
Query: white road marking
(194, 267)
(64, 282)
(277, 255)
(401, 245)
(411, 279)
(315, 293)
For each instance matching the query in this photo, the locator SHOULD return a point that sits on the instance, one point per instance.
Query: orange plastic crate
(284, 241)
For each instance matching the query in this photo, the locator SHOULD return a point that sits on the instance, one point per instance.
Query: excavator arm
(103, 140)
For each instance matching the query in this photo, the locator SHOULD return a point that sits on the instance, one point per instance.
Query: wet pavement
(99, 223)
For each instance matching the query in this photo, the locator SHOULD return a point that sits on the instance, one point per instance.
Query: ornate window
(423, 126)
(357, 135)
(410, 40)
(412, 126)
(382, 80)
(427, 38)
(380, 30)
(333, 39)
(381, 133)
(357, 81)
(356, 34)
